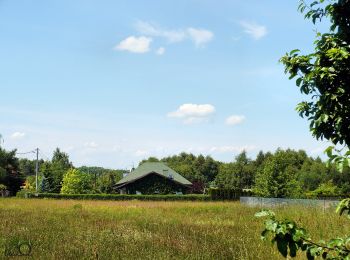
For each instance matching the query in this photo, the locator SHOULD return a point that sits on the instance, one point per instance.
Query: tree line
(283, 173)
(57, 175)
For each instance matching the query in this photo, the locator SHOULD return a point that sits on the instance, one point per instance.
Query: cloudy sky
(112, 82)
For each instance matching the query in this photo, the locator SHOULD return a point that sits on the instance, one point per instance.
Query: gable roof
(153, 167)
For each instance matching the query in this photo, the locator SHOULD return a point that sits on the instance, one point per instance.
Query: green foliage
(168, 197)
(327, 189)
(45, 185)
(278, 176)
(289, 238)
(76, 182)
(324, 74)
(103, 179)
(9, 171)
(239, 174)
(26, 167)
(59, 165)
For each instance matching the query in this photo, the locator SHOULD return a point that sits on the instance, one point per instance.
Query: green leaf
(282, 246)
(271, 225)
(329, 151)
(293, 247)
(298, 81)
(264, 213)
(294, 52)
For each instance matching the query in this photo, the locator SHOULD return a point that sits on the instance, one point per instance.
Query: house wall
(155, 184)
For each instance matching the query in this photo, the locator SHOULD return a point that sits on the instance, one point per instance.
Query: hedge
(227, 194)
(213, 194)
(190, 197)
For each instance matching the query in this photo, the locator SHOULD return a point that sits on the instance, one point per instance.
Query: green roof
(153, 167)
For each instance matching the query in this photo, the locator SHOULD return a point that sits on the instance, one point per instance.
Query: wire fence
(278, 202)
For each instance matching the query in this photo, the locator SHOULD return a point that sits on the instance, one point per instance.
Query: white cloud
(160, 51)
(18, 135)
(193, 113)
(235, 120)
(91, 144)
(154, 30)
(135, 44)
(200, 36)
(255, 30)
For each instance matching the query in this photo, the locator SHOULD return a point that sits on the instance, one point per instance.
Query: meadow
(68, 229)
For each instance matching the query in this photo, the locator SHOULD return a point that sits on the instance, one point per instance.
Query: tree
(103, 179)
(9, 173)
(150, 159)
(239, 174)
(59, 165)
(325, 76)
(27, 167)
(45, 185)
(76, 182)
(278, 177)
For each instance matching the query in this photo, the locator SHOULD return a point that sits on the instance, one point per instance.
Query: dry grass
(62, 229)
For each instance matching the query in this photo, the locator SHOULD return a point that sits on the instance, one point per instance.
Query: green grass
(68, 229)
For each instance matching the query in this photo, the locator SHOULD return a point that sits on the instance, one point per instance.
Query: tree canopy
(324, 74)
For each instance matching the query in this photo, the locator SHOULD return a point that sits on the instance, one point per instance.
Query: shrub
(190, 197)
(227, 194)
(75, 181)
(325, 190)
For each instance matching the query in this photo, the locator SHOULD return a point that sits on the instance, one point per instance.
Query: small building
(153, 178)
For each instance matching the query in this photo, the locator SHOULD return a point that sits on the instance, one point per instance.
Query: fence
(273, 202)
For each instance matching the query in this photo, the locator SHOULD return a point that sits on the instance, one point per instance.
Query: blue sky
(112, 82)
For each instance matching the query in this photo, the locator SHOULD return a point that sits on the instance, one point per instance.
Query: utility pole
(36, 169)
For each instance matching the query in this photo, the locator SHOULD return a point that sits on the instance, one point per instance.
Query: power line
(44, 155)
(34, 151)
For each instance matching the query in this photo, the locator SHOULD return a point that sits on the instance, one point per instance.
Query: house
(153, 178)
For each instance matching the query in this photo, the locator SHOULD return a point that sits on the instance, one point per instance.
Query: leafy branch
(290, 238)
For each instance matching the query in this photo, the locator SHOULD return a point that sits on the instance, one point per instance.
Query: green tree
(27, 167)
(314, 172)
(45, 185)
(9, 171)
(76, 182)
(278, 177)
(150, 159)
(239, 174)
(325, 76)
(103, 179)
(58, 167)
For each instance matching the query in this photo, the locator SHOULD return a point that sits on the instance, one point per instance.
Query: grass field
(66, 229)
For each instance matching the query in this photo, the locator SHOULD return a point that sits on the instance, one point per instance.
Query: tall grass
(60, 229)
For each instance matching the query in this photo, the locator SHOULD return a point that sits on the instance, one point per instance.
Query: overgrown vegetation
(148, 229)
(166, 197)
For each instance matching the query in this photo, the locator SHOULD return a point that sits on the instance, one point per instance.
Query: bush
(190, 197)
(75, 181)
(227, 194)
(24, 194)
(325, 190)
